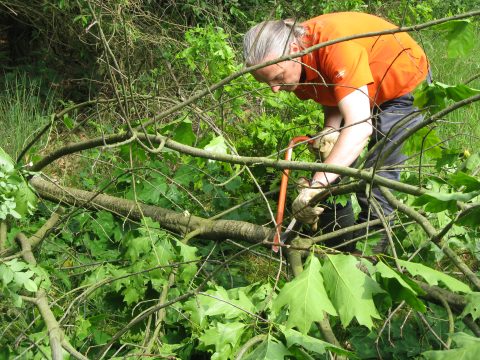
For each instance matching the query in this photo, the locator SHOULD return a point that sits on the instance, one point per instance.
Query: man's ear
(294, 47)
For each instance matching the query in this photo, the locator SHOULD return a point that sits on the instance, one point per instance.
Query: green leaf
(82, 328)
(470, 183)
(224, 337)
(472, 163)
(432, 276)
(217, 145)
(424, 140)
(100, 337)
(473, 306)
(306, 298)
(470, 217)
(350, 290)
(6, 273)
(462, 339)
(468, 349)
(440, 201)
(222, 304)
(138, 246)
(436, 95)
(184, 134)
(460, 36)
(16, 265)
(68, 121)
(30, 285)
(271, 349)
(6, 162)
(187, 253)
(131, 295)
(25, 199)
(400, 288)
(312, 344)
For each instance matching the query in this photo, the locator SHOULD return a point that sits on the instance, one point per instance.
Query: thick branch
(235, 159)
(177, 222)
(54, 332)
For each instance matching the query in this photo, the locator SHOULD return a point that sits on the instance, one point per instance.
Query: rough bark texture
(177, 222)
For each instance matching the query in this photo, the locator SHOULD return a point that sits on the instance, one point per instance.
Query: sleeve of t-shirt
(346, 67)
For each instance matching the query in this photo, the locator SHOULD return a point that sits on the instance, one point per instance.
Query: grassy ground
(23, 111)
(462, 125)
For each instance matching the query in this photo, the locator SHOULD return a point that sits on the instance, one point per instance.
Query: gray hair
(271, 37)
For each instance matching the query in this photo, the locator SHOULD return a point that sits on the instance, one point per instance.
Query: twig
(3, 235)
(387, 320)
(420, 315)
(248, 345)
(451, 321)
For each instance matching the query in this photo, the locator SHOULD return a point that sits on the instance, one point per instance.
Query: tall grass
(23, 111)
(463, 125)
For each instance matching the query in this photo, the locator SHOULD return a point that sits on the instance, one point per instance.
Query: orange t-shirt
(391, 65)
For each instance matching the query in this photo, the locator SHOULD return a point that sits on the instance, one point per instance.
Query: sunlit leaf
(433, 277)
(424, 141)
(460, 35)
(224, 337)
(301, 293)
(270, 349)
(6, 162)
(400, 288)
(217, 145)
(440, 201)
(468, 348)
(312, 344)
(350, 290)
(473, 306)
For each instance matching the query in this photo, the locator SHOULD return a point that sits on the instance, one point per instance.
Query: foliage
(17, 199)
(102, 272)
(24, 109)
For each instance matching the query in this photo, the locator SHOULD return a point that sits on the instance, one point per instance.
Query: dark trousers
(384, 118)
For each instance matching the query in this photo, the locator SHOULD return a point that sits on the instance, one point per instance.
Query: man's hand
(301, 211)
(324, 142)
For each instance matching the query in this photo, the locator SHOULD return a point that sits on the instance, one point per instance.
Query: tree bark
(181, 223)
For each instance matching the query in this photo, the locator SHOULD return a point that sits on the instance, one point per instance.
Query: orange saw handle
(283, 189)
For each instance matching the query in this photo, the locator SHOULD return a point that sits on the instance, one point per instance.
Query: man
(363, 84)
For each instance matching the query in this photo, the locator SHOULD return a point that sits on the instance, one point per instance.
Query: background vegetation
(108, 102)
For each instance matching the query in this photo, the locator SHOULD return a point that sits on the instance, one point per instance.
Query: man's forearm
(355, 111)
(348, 148)
(332, 117)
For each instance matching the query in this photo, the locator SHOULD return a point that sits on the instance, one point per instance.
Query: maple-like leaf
(473, 306)
(270, 349)
(400, 287)
(306, 298)
(350, 290)
(224, 337)
(432, 276)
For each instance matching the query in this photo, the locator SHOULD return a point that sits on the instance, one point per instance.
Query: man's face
(281, 76)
